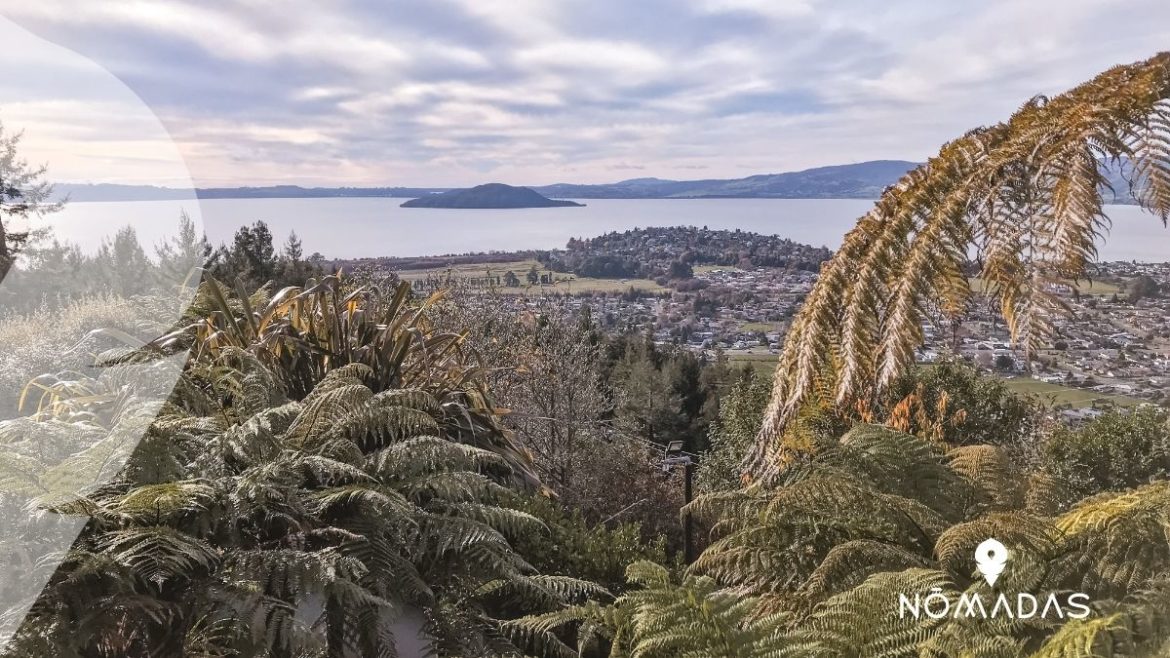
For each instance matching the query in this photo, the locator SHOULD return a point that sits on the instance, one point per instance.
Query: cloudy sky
(457, 92)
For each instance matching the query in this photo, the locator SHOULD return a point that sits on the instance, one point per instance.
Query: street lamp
(673, 456)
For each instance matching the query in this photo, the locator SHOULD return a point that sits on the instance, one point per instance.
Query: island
(491, 195)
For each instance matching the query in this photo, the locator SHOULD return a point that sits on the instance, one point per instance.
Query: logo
(990, 559)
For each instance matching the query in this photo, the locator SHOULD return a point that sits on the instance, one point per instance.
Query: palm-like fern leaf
(1025, 195)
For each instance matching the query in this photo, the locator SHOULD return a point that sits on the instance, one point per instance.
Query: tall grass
(67, 337)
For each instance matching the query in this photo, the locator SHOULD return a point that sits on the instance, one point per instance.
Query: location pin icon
(990, 558)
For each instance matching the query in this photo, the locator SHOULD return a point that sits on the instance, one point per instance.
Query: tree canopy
(24, 192)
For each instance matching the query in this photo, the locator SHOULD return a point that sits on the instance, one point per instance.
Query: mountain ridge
(861, 180)
(865, 184)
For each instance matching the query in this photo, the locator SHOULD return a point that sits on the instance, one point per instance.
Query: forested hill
(650, 252)
(491, 195)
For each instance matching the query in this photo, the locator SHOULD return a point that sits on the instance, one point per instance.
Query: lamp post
(674, 456)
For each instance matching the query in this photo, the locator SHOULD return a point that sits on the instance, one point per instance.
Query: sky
(460, 92)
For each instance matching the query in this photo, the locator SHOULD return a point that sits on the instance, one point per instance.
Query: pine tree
(24, 193)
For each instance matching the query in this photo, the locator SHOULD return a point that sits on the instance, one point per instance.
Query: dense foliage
(740, 411)
(953, 400)
(815, 567)
(253, 259)
(669, 251)
(575, 546)
(281, 505)
(595, 410)
(344, 470)
(53, 273)
(1119, 450)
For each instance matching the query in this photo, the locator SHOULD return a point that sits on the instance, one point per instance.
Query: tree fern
(1025, 196)
(298, 526)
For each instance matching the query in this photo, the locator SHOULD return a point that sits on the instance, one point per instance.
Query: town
(1111, 349)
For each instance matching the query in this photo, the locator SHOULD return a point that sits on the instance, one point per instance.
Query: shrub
(32, 343)
(978, 409)
(740, 413)
(1118, 450)
(575, 547)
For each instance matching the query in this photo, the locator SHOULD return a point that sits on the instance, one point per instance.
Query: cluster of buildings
(739, 309)
(1113, 343)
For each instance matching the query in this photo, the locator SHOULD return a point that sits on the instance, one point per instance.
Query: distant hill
(114, 192)
(864, 180)
(295, 192)
(492, 195)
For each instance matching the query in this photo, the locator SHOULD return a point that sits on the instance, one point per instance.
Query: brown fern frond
(1026, 197)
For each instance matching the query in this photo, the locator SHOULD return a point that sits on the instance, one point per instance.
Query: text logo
(991, 557)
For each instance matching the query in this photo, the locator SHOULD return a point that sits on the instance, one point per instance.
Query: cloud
(448, 92)
(629, 61)
(776, 9)
(77, 117)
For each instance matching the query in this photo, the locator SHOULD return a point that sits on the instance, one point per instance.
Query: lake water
(356, 227)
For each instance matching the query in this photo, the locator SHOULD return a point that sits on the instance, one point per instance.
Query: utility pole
(688, 522)
(674, 456)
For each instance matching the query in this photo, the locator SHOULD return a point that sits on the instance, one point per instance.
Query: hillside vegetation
(348, 468)
(671, 251)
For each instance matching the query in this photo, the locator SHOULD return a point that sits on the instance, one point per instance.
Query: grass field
(765, 364)
(705, 269)
(761, 327)
(1060, 394)
(1083, 287)
(563, 283)
(569, 283)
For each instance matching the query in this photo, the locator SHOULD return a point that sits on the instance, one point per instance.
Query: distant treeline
(399, 263)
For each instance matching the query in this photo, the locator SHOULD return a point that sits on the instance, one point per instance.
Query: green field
(1060, 394)
(760, 327)
(563, 283)
(520, 268)
(706, 269)
(1056, 394)
(1083, 287)
(765, 364)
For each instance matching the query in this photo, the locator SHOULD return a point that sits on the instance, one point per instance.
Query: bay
(368, 227)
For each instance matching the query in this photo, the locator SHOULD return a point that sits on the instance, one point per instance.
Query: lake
(357, 227)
